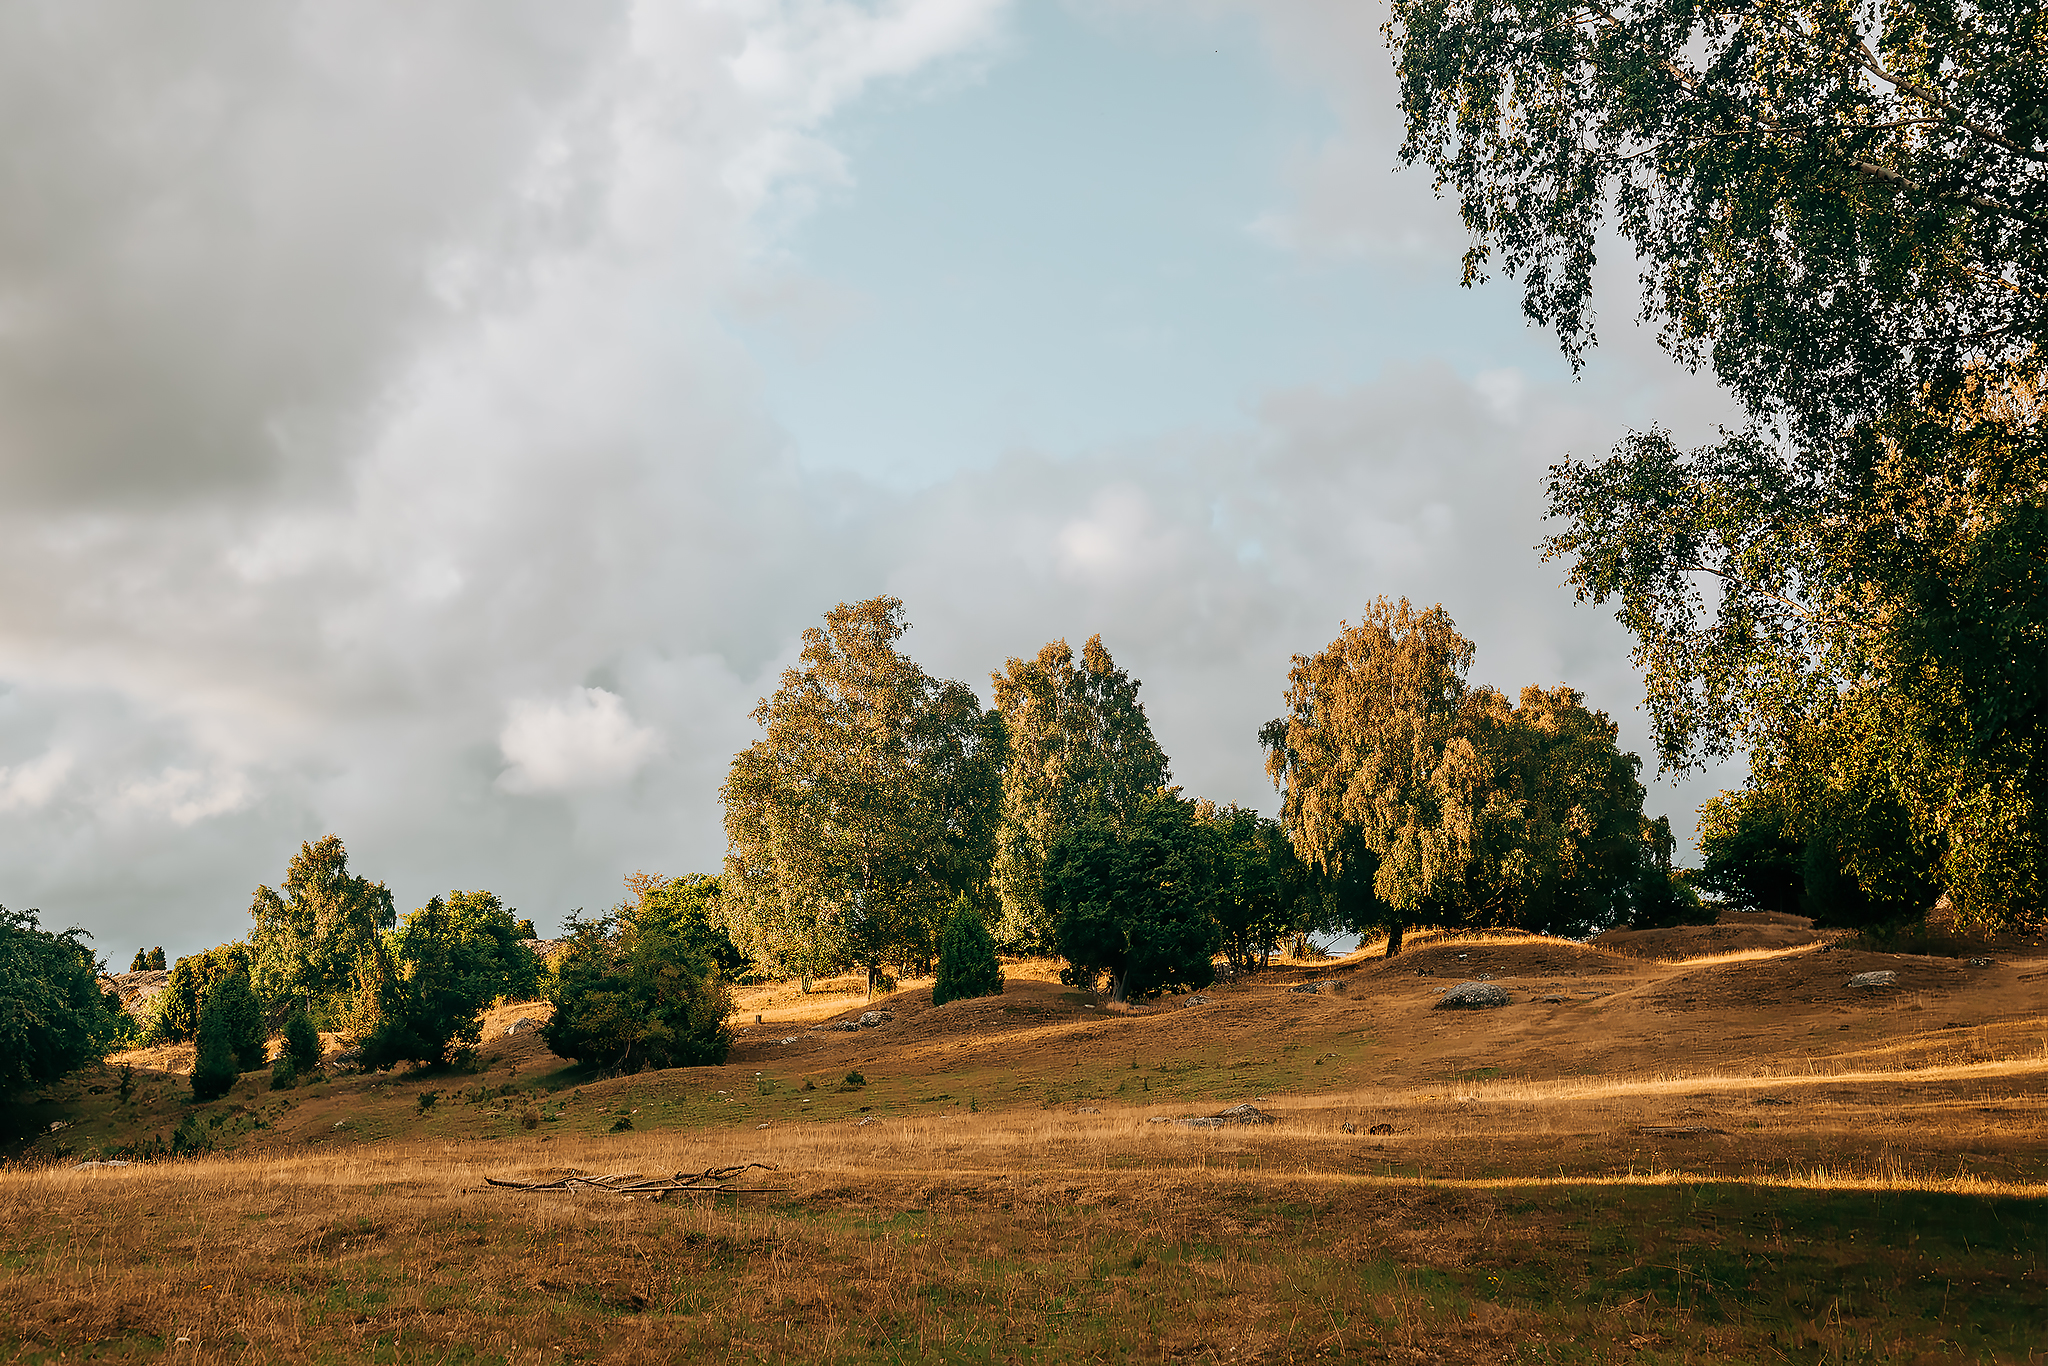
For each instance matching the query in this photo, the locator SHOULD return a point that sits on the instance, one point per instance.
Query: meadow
(1704, 1151)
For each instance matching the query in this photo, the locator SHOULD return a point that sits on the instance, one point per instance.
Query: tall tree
(312, 941)
(1259, 883)
(867, 806)
(1844, 211)
(1472, 810)
(1080, 746)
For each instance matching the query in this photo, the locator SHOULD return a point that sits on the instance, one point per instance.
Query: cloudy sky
(435, 423)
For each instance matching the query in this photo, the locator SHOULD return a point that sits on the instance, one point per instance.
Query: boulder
(838, 1027)
(1871, 980)
(522, 1025)
(1306, 989)
(1472, 996)
(875, 1019)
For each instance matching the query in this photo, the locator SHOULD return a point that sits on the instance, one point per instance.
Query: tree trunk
(1116, 987)
(1394, 937)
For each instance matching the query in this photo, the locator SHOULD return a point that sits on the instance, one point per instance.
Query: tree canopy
(630, 991)
(1474, 810)
(870, 802)
(54, 1018)
(448, 961)
(1836, 206)
(1137, 900)
(1078, 745)
(311, 938)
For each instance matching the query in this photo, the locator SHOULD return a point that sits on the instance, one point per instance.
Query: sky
(436, 424)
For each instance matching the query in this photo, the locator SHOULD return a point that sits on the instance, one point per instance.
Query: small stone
(1472, 996)
(1871, 980)
(1198, 1000)
(1306, 989)
(874, 1019)
(1980, 962)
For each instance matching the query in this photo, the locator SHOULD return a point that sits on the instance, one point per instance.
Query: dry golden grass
(1715, 1157)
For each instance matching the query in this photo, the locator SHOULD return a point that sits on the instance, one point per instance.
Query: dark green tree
(870, 802)
(232, 1003)
(301, 1041)
(214, 1069)
(449, 960)
(141, 962)
(967, 957)
(177, 1007)
(1137, 901)
(156, 959)
(1078, 745)
(1749, 858)
(629, 992)
(693, 908)
(1259, 884)
(54, 1018)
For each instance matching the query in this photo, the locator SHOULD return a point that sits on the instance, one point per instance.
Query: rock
(1980, 962)
(522, 1024)
(791, 1039)
(1871, 980)
(760, 1126)
(875, 1019)
(1551, 1000)
(1306, 989)
(838, 1027)
(1236, 1114)
(1087, 1110)
(1381, 1129)
(865, 1120)
(112, 1162)
(1198, 999)
(1349, 1128)
(1472, 996)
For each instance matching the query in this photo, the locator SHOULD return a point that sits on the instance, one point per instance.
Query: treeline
(882, 802)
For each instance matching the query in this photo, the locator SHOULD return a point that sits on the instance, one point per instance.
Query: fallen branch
(711, 1181)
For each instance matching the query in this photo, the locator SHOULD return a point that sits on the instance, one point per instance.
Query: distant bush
(283, 1076)
(967, 958)
(156, 959)
(141, 961)
(176, 1014)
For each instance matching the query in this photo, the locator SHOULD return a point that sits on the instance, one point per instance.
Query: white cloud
(587, 739)
(33, 784)
(185, 795)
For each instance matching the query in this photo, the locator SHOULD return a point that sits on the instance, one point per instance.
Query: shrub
(141, 961)
(301, 1041)
(856, 1079)
(284, 1076)
(967, 958)
(214, 1074)
(156, 959)
(631, 992)
(53, 1016)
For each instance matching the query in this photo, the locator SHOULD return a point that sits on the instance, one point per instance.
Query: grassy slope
(1867, 1185)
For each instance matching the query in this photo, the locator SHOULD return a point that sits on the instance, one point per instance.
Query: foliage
(177, 1006)
(1749, 857)
(313, 941)
(301, 1041)
(1842, 209)
(140, 962)
(967, 957)
(1663, 895)
(53, 1016)
(867, 806)
(284, 1075)
(214, 1069)
(1078, 745)
(631, 992)
(1137, 901)
(449, 960)
(232, 1003)
(693, 909)
(1835, 206)
(156, 959)
(1262, 892)
(1475, 811)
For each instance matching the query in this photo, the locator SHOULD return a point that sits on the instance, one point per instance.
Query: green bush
(631, 992)
(448, 961)
(214, 1072)
(967, 958)
(301, 1041)
(284, 1076)
(176, 1017)
(53, 1016)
